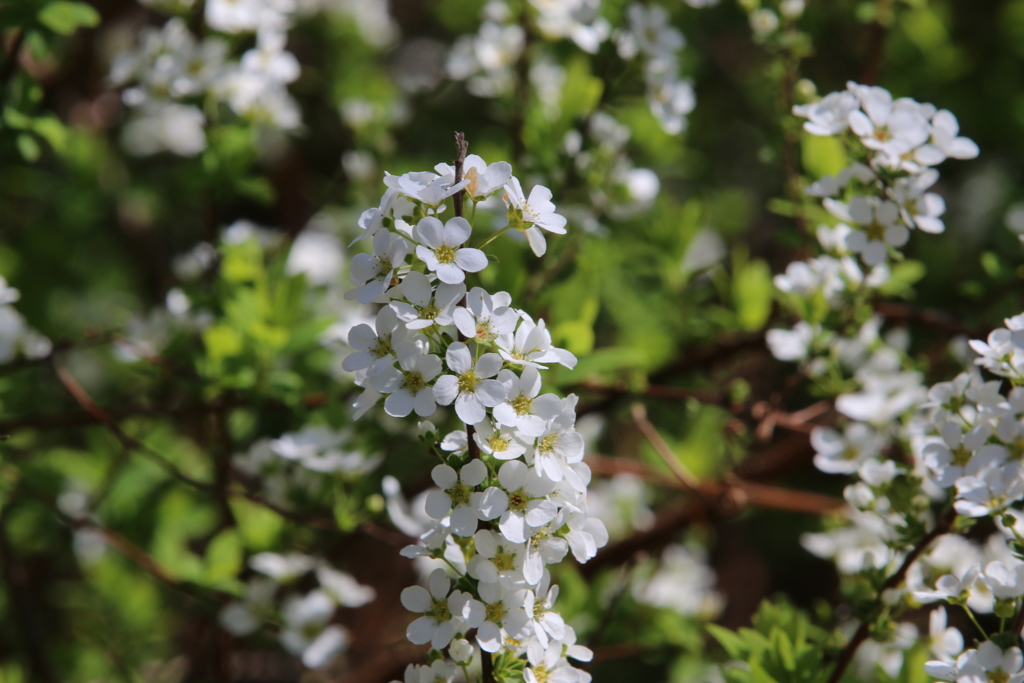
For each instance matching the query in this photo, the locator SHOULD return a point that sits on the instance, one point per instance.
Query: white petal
(429, 232)
(489, 392)
(438, 504)
(473, 473)
(459, 359)
(471, 260)
(457, 231)
(420, 631)
(439, 584)
(469, 409)
(446, 389)
(416, 599)
(444, 476)
(450, 273)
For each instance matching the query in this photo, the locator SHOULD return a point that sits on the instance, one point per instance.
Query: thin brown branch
(740, 492)
(928, 317)
(100, 415)
(846, 656)
(685, 477)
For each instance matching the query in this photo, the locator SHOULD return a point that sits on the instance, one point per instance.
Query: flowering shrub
(686, 373)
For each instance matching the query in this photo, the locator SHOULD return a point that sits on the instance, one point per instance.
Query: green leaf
(731, 642)
(222, 342)
(65, 17)
(28, 147)
(752, 288)
(223, 557)
(822, 155)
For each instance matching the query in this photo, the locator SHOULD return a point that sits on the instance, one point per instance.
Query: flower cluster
(651, 37)
(964, 436)
(15, 334)
(511, 487)
(172, 73)
(306, 628)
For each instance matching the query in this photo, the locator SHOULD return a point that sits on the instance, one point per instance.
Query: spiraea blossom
(170, 73)
(512, 479)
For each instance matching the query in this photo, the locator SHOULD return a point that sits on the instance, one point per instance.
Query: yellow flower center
(444, 254)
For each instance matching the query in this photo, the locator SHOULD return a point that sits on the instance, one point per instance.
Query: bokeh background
(179, 311)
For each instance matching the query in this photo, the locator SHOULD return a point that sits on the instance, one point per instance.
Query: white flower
(843, 453)
(470, 387)
(880, 226)
(424, 306)
(531, 345)
(990, 491)
(918, 207)
(305, 632)
(282, 568)
(505, 616)
(683, 582)
(240, 618)
(425, 187)
(1007, 583)
(547, 624)
(485, 317)
(795, 344)
(830, 116)
(497, 559)
(946, 141)
(523, 409)
(950, 586)
(440, 611)
(343, 588)
(374, 350)
(763, 22)
(501, 442)
(557, 447)
(669, 97)
(990, 663)
(527, 505)
(529, 214)
(469, 505)
(546, 663)
(585, 536)
(439, 248)
(409, 388)
(163, 126)
(481, 180)
(374, 274)
(945, 643)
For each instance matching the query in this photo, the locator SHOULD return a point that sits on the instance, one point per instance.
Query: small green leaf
(822, 155)
(28, 148)
(753, 292)
(223, 557)
(65, 17)
(222, 342)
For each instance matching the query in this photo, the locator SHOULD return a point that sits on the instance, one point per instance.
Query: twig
(846, 656)
(741, 492)
(685, 477)
(99, 415)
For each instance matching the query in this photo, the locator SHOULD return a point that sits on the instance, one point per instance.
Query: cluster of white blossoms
(173, 76)
(16, 337)
(877, 201)
(306, 628)
(302, 464)
(651, 37)
(511, 487)
(965, 436)
(487, 59)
